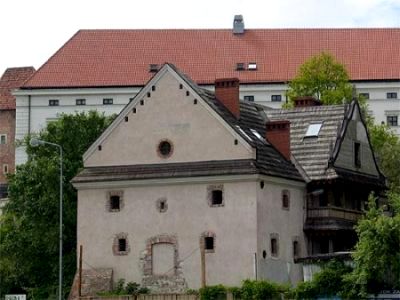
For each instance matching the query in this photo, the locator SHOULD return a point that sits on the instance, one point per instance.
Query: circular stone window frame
(169, 154)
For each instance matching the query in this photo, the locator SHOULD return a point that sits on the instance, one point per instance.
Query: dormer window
(252, 66)
(313, 130)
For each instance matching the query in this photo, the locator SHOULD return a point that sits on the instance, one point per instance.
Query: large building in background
(12, 79)
(104, 69)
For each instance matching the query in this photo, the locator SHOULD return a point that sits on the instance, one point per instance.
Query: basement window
(249, 98)
(276, 98)
(108, 101)
(252, 66)
(54, 102)
(80, 101)
(313, 130)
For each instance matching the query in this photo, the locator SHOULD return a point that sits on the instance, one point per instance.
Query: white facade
(34, 112)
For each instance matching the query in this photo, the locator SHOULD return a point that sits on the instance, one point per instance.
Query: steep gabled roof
(316, 154)
(98, 58)
(12, 78)
(268, 160)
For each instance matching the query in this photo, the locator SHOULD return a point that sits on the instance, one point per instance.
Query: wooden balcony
(331, 218)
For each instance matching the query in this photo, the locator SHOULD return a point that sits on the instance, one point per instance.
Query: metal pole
(61, 223)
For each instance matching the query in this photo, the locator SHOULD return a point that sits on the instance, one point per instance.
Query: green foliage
(260, 289)
(131, 288)
(29, 226)
(324, 78)
(215, 292)
(192, 292)
(377, 253)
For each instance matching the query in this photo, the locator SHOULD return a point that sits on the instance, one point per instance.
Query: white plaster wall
(169, 114)
(187, 217)
(272, 218)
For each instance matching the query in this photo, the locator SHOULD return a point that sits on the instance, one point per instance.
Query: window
(249, 98)
(240, 67)
(392, 120)
(80, 101)
(364, 95)
(357, 154)
(216, 197)
(114, 201)
(207, 240)
(121, 245)
(296, 249)
(274, 245)
(162, 205)
(5, 169)
(165, 149)
(153, 68)
(391, 95)
(54, 102)
(276, 98)
(313, 130)
(285, 199)
(252, 66)
(107, 101)
(3, 139)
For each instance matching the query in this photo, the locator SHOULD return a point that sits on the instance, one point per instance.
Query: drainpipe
(29, 114)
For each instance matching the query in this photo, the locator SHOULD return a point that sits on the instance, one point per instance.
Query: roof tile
(12, 78)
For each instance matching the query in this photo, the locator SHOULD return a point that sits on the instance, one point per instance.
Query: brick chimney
(306, 101)
(278, 134)
(227, 92)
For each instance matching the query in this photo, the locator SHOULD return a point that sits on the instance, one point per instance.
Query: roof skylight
(256, 134)
(313, 130)
(244, 133)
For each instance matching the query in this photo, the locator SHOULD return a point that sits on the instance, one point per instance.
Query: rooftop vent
(238, 24)
(153, 68)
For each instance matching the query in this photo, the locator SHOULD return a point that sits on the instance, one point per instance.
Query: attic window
(249, 98)
(313, 130)
(153, 68)
(256, 134)
(240, 67)
(252, 66)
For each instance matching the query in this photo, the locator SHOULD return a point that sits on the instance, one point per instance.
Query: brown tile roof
(122, 57)
(12, 78)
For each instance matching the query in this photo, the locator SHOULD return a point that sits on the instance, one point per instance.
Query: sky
(31, 31)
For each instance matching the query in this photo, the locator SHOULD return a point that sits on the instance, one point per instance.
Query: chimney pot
(227, 92)
(278, 135)
(306, 101)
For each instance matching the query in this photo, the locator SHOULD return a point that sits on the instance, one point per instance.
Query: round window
(165, 149)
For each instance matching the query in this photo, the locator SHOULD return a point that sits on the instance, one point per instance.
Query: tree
(324, 78)
(29, 225)
(377, 253)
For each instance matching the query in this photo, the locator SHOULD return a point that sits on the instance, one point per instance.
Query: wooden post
(203, 263)
(80, 272)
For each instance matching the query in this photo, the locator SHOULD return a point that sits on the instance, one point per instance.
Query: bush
(260, 290)
(131, 288)
(215, 292)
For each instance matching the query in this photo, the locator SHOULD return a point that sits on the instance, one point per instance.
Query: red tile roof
(12, 78)
(122, 57)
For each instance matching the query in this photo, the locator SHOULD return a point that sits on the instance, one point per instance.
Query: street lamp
(35, 143)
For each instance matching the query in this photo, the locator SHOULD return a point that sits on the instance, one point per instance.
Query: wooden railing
(334, 212)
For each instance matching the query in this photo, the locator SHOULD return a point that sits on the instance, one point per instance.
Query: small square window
(391, 95)
(357, 155)
(392, 120)
(209, 243)
(364, 96)
(54, 102)
(252, 66)
(80, 101)
(3, 139)
(276, 98)
(217, 197)
(114, 202)
(108, 101)
(121, 245)
(313, 130)
(249, 98)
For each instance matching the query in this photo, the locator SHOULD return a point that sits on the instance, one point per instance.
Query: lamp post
(35, 143)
